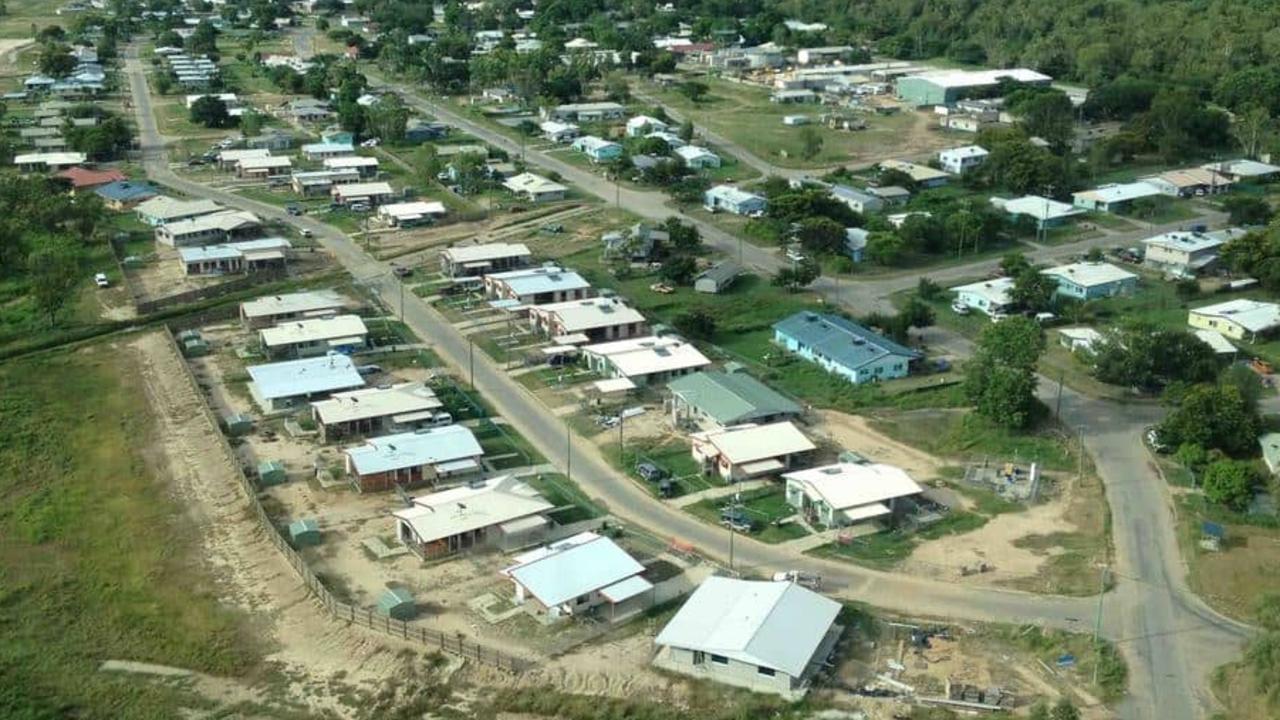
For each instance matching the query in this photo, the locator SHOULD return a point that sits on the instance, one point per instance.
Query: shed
(397, 603)
(271, 472)
(1211, 536)
(237, 423)
(716, 278)
(304, 532)
(186, 335)
(195, 347)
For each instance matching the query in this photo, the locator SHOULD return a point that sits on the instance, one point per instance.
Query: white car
(998, 316)
(959, 308)
(101, 280)
(794, 255)
(370, 143)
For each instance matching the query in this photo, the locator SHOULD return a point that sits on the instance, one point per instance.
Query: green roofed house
(397, 603)
(728, 398)
(304, 532)
(271, 472)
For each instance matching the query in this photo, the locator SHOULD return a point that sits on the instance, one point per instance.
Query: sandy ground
(853, 432)
(9, 49)
(992, 544)
(163, 275)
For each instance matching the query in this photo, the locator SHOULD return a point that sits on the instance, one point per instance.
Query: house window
(719, 659)
(582, 599)
(765, 671)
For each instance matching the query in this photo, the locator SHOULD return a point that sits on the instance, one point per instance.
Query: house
(237, 257)
(1221, 346)
(597, 149)
(857, 200)
(367, 167)
(370, 193)
(697, 158)
(1114, 198)
(271, 309)
(644, 360)
(637, 243)
(577, 575)
(592, 320)
(537, 286)
(1079, 339)
(1047, 213)
(764, 636)
(283, 386)
(986, 296)
(558, 132)
(163, 209)
(1191, 182)
(945, 87)
(308, 110)
(375, 411)
(822, 55)
(843, 347)
(1180, 253)
(642, 125)
(585, 112)
(214, 228)
(262, 168)
(270, 139)
(728, 398)
(1091, 280)
(409, 214)
(316, 336)
(922, 175)
(429, 456)
(717, 278)
(86, 179)
(1242, 319)
(316, 183)
(47, 161)
(855, 242)
(535, 188)
(125, 195)
(470, 260)
(484, 513)
(230, 158)
(890, 195)
(793, 97)
(1244, 170)
(456, 149)
(846, 494)
(961, 160)
(743, 452)
(733, 200)
(326, 150)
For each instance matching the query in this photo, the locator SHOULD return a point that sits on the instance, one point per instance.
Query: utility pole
(622, 447)
(734, 506)
(402, 300)
(568, 451)
(1057, 410)
(1097, 623)
(471, 360)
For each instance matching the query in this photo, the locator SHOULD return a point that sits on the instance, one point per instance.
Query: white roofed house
(1241, 319)
(228, 159)
(463, 261)
(585, 112)
(595, 319)
(315, 183)
(537, 286)
(642, 125)
(576, 576)
(409, 214)
(367, 167)
(765, 636)
(283, 386)
(560, 132)
(1114, 198)
(496, 512)
(961, 160)
(260, 168)
(986, 296)
(697, 157)
(218, 227)
(535, 188)
(315, 336)
(237, 257)
(1182, 254)
(734, 200)
(163, 209)
(1079, 339)
(1047, 213)
(324, 150)
(744, 452)
(374, 411)
(46, 161)
(372, 193)
(848, 493)
(271, 309)
(1244, 170)
(1091, 280)
(429, 456)
(645, 360)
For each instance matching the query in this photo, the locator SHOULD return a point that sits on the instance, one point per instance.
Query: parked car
(401, 271)
(795, 255)
(293, 210)
(735, 519)
(959, 308)
(307, 233)
(803, 579)
(1155, 441)
(998, 316)
(359, 207)
(369, 369)
(370, 143)
(101, 280)
(650, 472)
(441, 419)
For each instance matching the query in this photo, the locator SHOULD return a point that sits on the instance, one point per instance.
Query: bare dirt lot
(163, 274)
(855, 433)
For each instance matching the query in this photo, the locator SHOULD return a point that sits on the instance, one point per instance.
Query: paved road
(1170, 638)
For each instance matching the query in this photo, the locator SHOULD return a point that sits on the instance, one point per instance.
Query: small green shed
(186, 335)
(195, 347)
(270, 472)
(304, 532)
(237, 424)
(397, 603)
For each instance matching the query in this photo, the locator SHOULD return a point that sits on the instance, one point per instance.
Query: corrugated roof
(490, 502)
(779, 625)
(750, 443)
(842, 341)
(291, 303)
(304, 377)
(848, 485)
(413, 449)
(731, 398)
(376, 402)
(574, 567)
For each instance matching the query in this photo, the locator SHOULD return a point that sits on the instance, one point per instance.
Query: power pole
(1097, 623)
(1057, 410)
(734, 506)
(471, 360)
(568, 450)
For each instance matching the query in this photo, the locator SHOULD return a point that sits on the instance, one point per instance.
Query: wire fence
(454, 644)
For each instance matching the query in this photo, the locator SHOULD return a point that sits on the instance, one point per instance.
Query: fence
(365, 617)
(259, 277)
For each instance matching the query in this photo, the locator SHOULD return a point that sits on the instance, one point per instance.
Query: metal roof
(850, 485)
(490, 502)
(533, 281)
(642, 356)
(1252, 315)
(291, 303)
(231, 250)
(376, 402)
(574, 567)
(779, 625)
(750, 443)
(305, 377)
(1089, 274)
(731, 398)
(1040, 208)
(842, 341)
(485, 252)
(432, 446)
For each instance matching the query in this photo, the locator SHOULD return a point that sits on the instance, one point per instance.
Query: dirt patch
(991, 544)
(855, 433)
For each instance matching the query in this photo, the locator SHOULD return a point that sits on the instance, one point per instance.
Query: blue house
(844, 347)
(1091, 280)
(598, 149)
(123, 195)
(732, 200)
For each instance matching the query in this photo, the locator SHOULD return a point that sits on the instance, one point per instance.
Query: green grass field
(964, 436)
(96, 562)
(764, 507)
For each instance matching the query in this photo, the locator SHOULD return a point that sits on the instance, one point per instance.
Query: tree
(1214, 417)
(1064, 710)
(616, 87)
(678, 269)
(884, 248)
(810, 142)
(684, 237)
(251, 122)
(1191, 456)
(821, 236)
(1143, 357)
(56, 60)
(685, 132)
(1250, 129)
(1229, 483)
(1247, 210)
(387, 119)
(928, 290)
(204, 39)
(210, 112)
(693, 90)
(1033, 290)
(1048, 115)
(1014, 264)
(795, 277)
(696, 323)
(1000, 379)
(53, 272)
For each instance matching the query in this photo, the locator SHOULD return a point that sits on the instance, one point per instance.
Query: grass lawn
(96, 561)
(22, 321)
(669, 454)
(764, 507)
(1049, 645)
(1248, 565)
(963, 436)
(560, 491)
(504, 448)
(884, 550)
